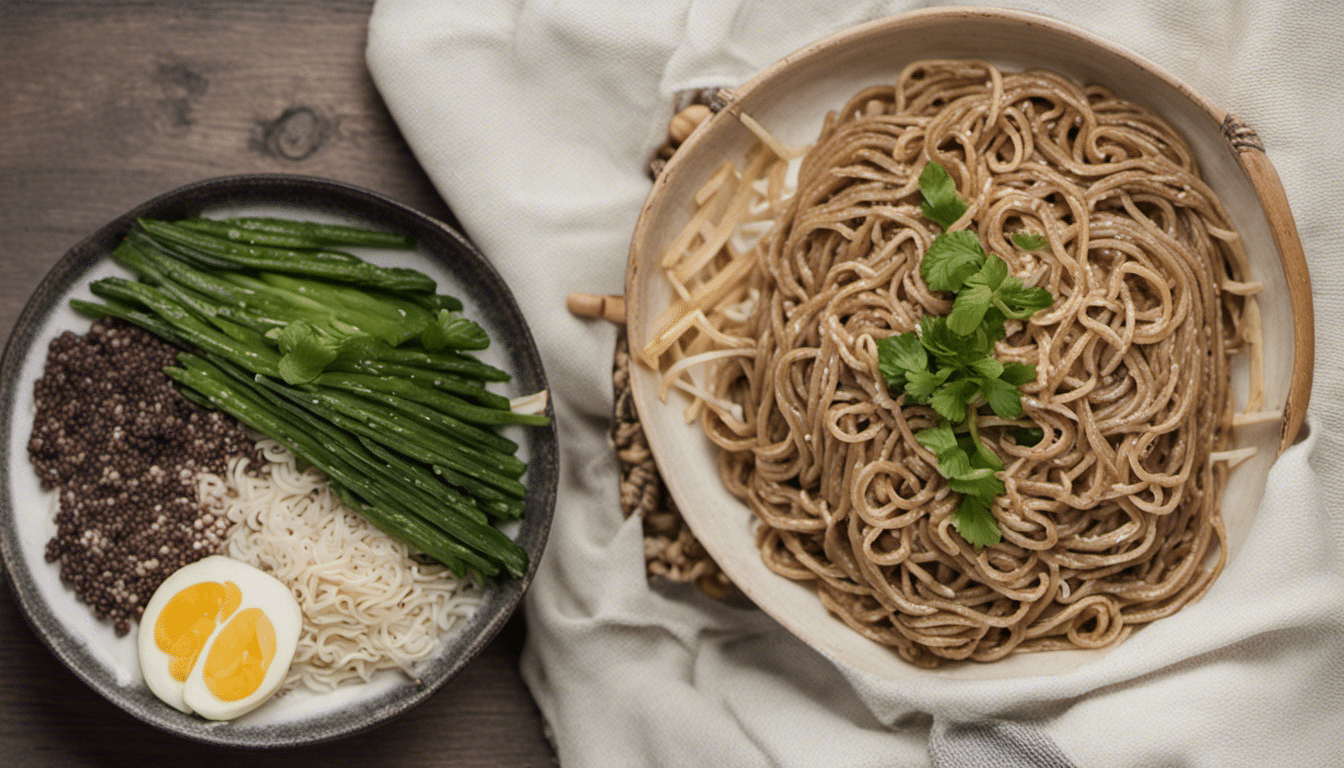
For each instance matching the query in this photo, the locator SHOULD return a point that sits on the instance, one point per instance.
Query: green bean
(417, 475)
(178, 252)
(421, 490)
(228, 301)
(403, 429)
(414, 421)
(394, 319)
(436, 301)
(188, 328)
(301, 262)
(143, 320)
(447, 404)
(482, 492)
(202, 306)
(396, 433)
(340, 458)
(489, 466)
(394, 395)
(314, 232)
(461, 386)
(147, 259)
(503, 509)
(228, 231)
(244, 408)
(452, 362)
(413, 534)
(446, 452)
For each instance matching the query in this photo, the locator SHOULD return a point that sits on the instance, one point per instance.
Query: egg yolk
(187, 620)
(242, 653)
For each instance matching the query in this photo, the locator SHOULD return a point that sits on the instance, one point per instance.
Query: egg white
(259, 589)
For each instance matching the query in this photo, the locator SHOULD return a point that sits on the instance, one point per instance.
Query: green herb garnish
(951, 259)
(1029, 241)
(451, 330)
(942, 205)
(992, 295)
(949, 364)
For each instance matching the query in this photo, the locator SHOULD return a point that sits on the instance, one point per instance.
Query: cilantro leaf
(993, 273)
(898, 357)
(950, 348)
(919, 385)
(954, 464)
(977, 295)
(993, 325)
(949, 363)
(951, 258)
(936, 338)
(1029, 241)
(977, 482)
(981, 455)
(970, 469)
(975, 523)
(978, 451)
(939, 439)
(942, 205)
(952, 400)
(953, 460)
(1020, 301)
(452, 330)
(987, 367)
(968, 310)
(305, 351)
(991, 295)
(1003, 398)
(1018, 374)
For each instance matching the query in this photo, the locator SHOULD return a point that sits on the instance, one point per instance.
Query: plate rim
(525, 363)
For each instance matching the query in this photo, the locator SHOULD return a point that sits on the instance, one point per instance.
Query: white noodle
(367, 603)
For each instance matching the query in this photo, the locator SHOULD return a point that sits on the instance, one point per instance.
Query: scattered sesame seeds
(124, 449)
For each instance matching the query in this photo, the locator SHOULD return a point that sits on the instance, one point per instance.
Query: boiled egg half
(217, 637)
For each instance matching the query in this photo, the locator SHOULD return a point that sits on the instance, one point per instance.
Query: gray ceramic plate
(89, 647)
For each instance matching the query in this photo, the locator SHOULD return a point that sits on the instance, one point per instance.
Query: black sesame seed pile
(124, 449)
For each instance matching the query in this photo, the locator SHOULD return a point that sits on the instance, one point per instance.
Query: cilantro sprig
(949, 364)
(942, 205)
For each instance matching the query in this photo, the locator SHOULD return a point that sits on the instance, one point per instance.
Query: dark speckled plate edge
(466, 263)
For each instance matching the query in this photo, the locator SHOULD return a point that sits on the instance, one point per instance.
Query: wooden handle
(1269, 188)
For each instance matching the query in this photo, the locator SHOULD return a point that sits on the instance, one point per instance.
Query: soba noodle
(1112, 519)
(367, 603)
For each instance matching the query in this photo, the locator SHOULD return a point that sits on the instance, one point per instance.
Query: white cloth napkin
(535, 121)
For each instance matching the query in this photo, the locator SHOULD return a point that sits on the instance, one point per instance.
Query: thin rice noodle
(367, 603)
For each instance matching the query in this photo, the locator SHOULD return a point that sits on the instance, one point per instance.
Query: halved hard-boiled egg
(217, 637)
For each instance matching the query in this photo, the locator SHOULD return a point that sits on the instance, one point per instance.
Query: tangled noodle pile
(1112, 519)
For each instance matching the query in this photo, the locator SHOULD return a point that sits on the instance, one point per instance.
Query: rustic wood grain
(107, 104)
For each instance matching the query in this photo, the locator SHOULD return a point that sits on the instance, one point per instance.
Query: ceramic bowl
(789, 99)
(90, 647)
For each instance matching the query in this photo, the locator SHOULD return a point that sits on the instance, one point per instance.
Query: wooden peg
(685, 122)
(609, 308)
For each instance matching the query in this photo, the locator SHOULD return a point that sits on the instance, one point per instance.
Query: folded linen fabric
(536, 120)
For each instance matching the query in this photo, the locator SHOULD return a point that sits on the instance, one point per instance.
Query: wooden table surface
(104, 105)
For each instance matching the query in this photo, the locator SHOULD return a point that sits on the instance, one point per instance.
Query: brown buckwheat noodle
(1112, 520)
